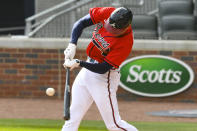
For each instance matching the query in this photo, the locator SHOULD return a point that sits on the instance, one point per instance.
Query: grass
(55, 125)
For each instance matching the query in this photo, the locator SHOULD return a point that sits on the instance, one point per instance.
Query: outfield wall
(29, 66)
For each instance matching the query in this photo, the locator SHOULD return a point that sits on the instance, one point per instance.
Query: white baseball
(50, 91)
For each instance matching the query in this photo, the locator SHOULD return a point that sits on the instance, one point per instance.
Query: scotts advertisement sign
(155, 76)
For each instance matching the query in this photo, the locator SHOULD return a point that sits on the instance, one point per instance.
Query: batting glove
(70, 51)
(71, 63)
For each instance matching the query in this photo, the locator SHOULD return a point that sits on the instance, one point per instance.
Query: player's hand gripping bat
(67, 95)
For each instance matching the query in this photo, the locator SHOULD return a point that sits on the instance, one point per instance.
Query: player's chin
(114, 31)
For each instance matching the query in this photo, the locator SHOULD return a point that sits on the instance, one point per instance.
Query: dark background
(13, 14)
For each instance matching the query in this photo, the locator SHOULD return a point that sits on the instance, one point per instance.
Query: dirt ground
(53, 109)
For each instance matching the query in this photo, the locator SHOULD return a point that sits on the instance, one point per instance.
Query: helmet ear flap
(121, 18)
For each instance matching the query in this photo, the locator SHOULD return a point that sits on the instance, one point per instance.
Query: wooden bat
(67, 95)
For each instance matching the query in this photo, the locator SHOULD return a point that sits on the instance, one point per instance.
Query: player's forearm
(78, 28)
(100, 68)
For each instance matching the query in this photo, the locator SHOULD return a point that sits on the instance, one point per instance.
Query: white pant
(101, 88)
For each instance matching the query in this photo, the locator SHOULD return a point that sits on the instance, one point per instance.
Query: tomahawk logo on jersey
(104, 45)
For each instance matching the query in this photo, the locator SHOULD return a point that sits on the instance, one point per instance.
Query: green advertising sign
(155, 76)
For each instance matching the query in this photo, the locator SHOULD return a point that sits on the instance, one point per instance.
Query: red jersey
(104, 46)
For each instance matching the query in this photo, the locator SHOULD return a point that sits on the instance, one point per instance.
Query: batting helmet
(121, 18)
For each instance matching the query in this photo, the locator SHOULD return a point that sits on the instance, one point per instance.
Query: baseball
(50, 91)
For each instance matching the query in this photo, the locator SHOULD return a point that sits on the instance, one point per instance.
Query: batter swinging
(98, 81)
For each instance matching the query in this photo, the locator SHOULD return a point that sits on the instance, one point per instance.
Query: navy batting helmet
(118, 21)
(121, 18)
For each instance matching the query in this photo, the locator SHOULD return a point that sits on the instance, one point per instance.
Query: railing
(38, 19)
(62, 17)
(59, 24)
(5, 29)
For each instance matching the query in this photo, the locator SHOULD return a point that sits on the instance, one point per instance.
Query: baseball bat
(67, 95)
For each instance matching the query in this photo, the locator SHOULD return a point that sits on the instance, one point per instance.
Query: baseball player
(98, 80)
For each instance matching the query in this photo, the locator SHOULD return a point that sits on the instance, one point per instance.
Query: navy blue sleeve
(100, 68)
(79, 26)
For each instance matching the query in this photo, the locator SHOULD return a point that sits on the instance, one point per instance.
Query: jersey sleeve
(99, 14)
